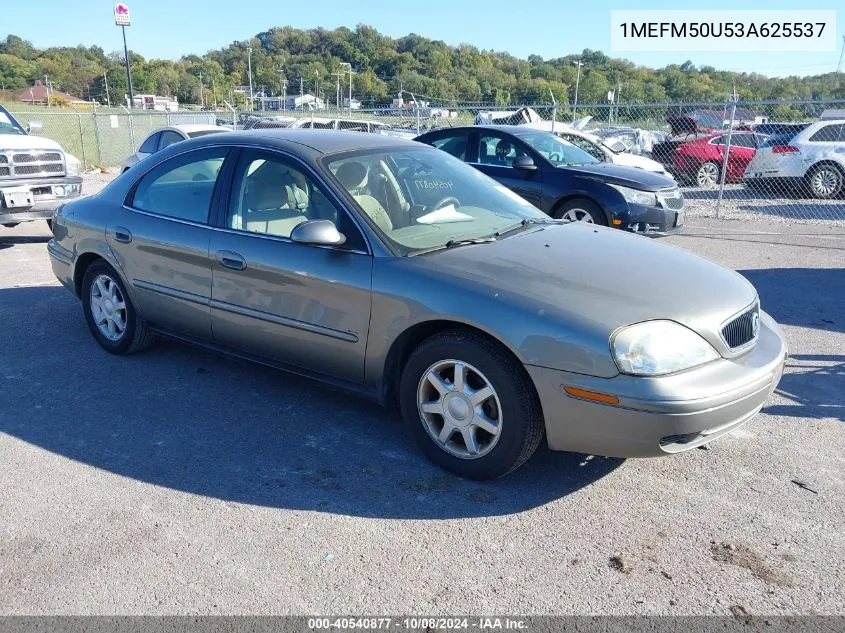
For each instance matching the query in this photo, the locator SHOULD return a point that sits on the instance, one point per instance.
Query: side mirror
(35, 127)
(525, 162)
(318, 232)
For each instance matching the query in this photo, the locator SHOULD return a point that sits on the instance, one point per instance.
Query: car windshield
(8, 125)
(557, 151)
(421, 198)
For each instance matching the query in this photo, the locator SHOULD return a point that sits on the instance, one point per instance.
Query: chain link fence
(773, 161)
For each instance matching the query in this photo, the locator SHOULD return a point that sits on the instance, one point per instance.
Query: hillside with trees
(384, 65)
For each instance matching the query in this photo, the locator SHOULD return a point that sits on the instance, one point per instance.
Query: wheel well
(579, 196)
(830, 163)
(82, 264)
(410, 339)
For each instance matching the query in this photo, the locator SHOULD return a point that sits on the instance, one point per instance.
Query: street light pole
(350, 82)
(579, 63)
(281, 85)
(316, 87)
(202, 97)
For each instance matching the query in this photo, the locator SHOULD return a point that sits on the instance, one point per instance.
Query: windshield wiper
(525, 222)
(455, 243)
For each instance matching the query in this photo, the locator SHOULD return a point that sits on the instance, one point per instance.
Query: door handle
(122, 235)
(231, 260)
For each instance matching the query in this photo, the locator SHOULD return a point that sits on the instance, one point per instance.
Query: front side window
(497, 150)
(272, 196)
(420, 198)
(182, 187)
(556, 150)
(168, 138)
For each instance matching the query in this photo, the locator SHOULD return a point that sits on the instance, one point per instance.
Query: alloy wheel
(108, 308)
(460, 409)
(825, 182)
(578, 215)
(707, 175)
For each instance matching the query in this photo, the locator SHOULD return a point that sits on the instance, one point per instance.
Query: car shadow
(197, 422)
(7, 241)
(810, 298)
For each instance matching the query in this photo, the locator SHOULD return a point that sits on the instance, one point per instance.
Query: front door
(161, 240)
(306, 306)
(495, 154)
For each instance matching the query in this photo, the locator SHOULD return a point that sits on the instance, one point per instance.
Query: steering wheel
(443, 202)
(555, 157)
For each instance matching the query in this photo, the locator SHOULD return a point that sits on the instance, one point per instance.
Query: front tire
(109, 312)
(470, 406)
(825, 182)
(581, 210)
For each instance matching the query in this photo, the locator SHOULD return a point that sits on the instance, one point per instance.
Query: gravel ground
(180, 482)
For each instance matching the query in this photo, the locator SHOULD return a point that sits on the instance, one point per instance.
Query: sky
(550, 28)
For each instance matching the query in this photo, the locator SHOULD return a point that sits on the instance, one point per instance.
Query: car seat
(353, 175)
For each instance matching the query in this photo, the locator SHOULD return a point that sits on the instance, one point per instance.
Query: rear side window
(182, 187)
(778, 139)
(829, 134)
(454, 145)
(149, 146)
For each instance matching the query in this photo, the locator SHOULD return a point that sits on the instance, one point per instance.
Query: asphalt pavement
(177, 481)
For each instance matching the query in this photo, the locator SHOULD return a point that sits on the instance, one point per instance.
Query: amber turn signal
(604, 398)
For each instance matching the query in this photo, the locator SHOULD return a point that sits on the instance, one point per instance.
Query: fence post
(97, 137)
(82, 140)
(725, 158)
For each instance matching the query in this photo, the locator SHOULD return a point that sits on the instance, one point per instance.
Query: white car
(607, 150)
(813, 160)
(166, 136)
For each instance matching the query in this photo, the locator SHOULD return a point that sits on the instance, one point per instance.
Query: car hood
(639, 162)
(623, 175)
(19, 141)
(580, 281)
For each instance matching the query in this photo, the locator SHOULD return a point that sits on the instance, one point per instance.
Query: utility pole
(47, 84)
(202, 97)
(106, 81)
(300, 92)
(350, 82)
(579, 63)
(316, 87)
(282, 83)
(839, 65)
(214, 93)
(249, 63)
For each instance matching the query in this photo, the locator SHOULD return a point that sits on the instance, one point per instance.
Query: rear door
(826, 143)
(743, 148)
(494, 153)
(303, 305)
(161, 237)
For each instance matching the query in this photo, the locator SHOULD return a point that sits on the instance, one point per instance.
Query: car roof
(322, 141)
(188, 128)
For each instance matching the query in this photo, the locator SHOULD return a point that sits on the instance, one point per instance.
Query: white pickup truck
(36, 174)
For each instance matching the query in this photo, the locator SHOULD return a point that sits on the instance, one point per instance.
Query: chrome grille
(741, 331)
(31, 163)
(671, 199)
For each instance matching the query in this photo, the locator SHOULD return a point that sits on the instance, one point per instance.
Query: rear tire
(825, 181)
(708, 174)
(109, 312)
(470, 406)
(581, 210)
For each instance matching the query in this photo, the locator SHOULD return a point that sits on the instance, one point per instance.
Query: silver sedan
(394, 270)
(164, 137)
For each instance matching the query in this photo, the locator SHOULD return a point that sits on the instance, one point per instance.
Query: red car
(700, 159)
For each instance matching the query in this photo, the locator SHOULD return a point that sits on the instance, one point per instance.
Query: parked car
(167, 136)
(399, 272)
(699, 160)
(813, 160)
(268, 122)
(36, 174)
(564, 181)
(769, 129)
(611, 150)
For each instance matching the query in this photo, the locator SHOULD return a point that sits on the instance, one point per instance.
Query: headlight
(72, 165)
(635, 196)
(654, 348)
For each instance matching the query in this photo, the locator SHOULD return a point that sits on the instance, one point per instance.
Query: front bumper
(661, 415)
(48, 193)
(653, 221)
